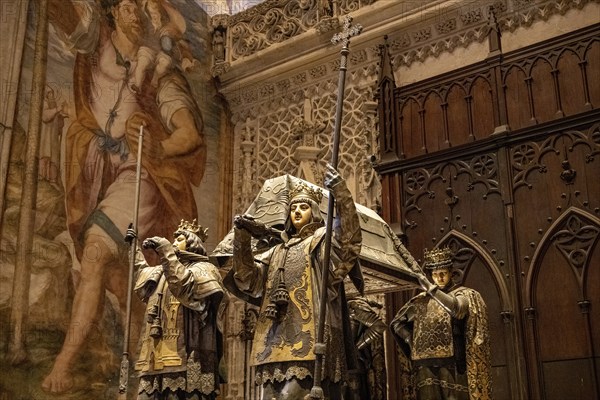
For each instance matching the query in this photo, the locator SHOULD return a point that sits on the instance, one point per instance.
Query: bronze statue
(444, 332)
(180, 350)
(284, 281)
(368, 380)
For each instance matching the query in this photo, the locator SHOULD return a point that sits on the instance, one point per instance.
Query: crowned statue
(444, 332)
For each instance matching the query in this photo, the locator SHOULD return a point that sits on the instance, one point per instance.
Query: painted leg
(87, 307)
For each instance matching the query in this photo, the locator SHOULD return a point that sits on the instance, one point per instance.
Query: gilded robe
(283, 349)
(440, 342)
(185, 294)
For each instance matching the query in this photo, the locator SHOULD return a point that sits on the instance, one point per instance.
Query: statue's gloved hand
(255, 227)
(156, 243)
(332, 177)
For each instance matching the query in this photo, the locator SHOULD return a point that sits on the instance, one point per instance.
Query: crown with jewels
(302, 192)
(194, 228)
(438, 258)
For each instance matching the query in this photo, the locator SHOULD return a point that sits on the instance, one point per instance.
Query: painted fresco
(113, 66)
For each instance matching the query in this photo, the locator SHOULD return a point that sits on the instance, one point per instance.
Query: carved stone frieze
(318, 71)
(276, 21)
(422, 35)
(270, 22)
(327, 25)
(471, 17)
(348, 6)
(446, 26)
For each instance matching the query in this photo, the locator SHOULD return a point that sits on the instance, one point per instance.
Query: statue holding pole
(302, 343)
(284, 280)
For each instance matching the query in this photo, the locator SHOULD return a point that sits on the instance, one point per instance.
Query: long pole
(22, 279)
(124, 372)
(320, 347)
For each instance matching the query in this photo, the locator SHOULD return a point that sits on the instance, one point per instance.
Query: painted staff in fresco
(100, 160)
(444, 331)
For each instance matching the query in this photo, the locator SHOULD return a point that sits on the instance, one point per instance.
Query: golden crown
(438, 258)
(194, 228)
(303, 191)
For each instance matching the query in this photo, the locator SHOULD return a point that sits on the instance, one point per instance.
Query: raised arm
(347, 230)
(190, 285)
(248, 276)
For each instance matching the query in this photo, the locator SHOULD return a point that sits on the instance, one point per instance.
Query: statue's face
(180, 242)
(300, 214)
(441, 277)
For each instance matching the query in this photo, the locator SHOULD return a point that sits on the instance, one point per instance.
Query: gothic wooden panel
(569, 379)
(434, 123)
(390, 191)
(592, 56)
(556, 293)
(459, 131)
(543, 91)
(565, 358)
(526, 203)
(571, 84)
(482, 113)
(517, 99)
(592, 288)
(411, 129)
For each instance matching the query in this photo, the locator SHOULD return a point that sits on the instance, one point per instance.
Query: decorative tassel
(280, 296)
(271, 311)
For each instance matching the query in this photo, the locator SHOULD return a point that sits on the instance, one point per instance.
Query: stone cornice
(415, 34)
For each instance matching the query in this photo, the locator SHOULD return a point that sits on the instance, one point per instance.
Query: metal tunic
(432, 337)
(292, 336)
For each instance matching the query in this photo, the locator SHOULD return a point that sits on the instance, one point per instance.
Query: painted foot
(59, 380)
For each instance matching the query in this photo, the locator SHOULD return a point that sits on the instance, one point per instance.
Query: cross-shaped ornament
(316, 392)
(347, 33)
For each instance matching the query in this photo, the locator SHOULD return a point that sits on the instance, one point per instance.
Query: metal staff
(124, 372)
(344, 37)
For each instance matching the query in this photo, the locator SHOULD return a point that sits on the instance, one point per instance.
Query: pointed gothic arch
(566, 220)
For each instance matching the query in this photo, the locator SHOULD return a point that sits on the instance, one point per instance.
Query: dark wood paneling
(518, 102)
(520, 199)
(570, 83)
(482, 105)
(458, 117)
(435, 137)
(411, 129)
(592, 71)
(542, 90)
